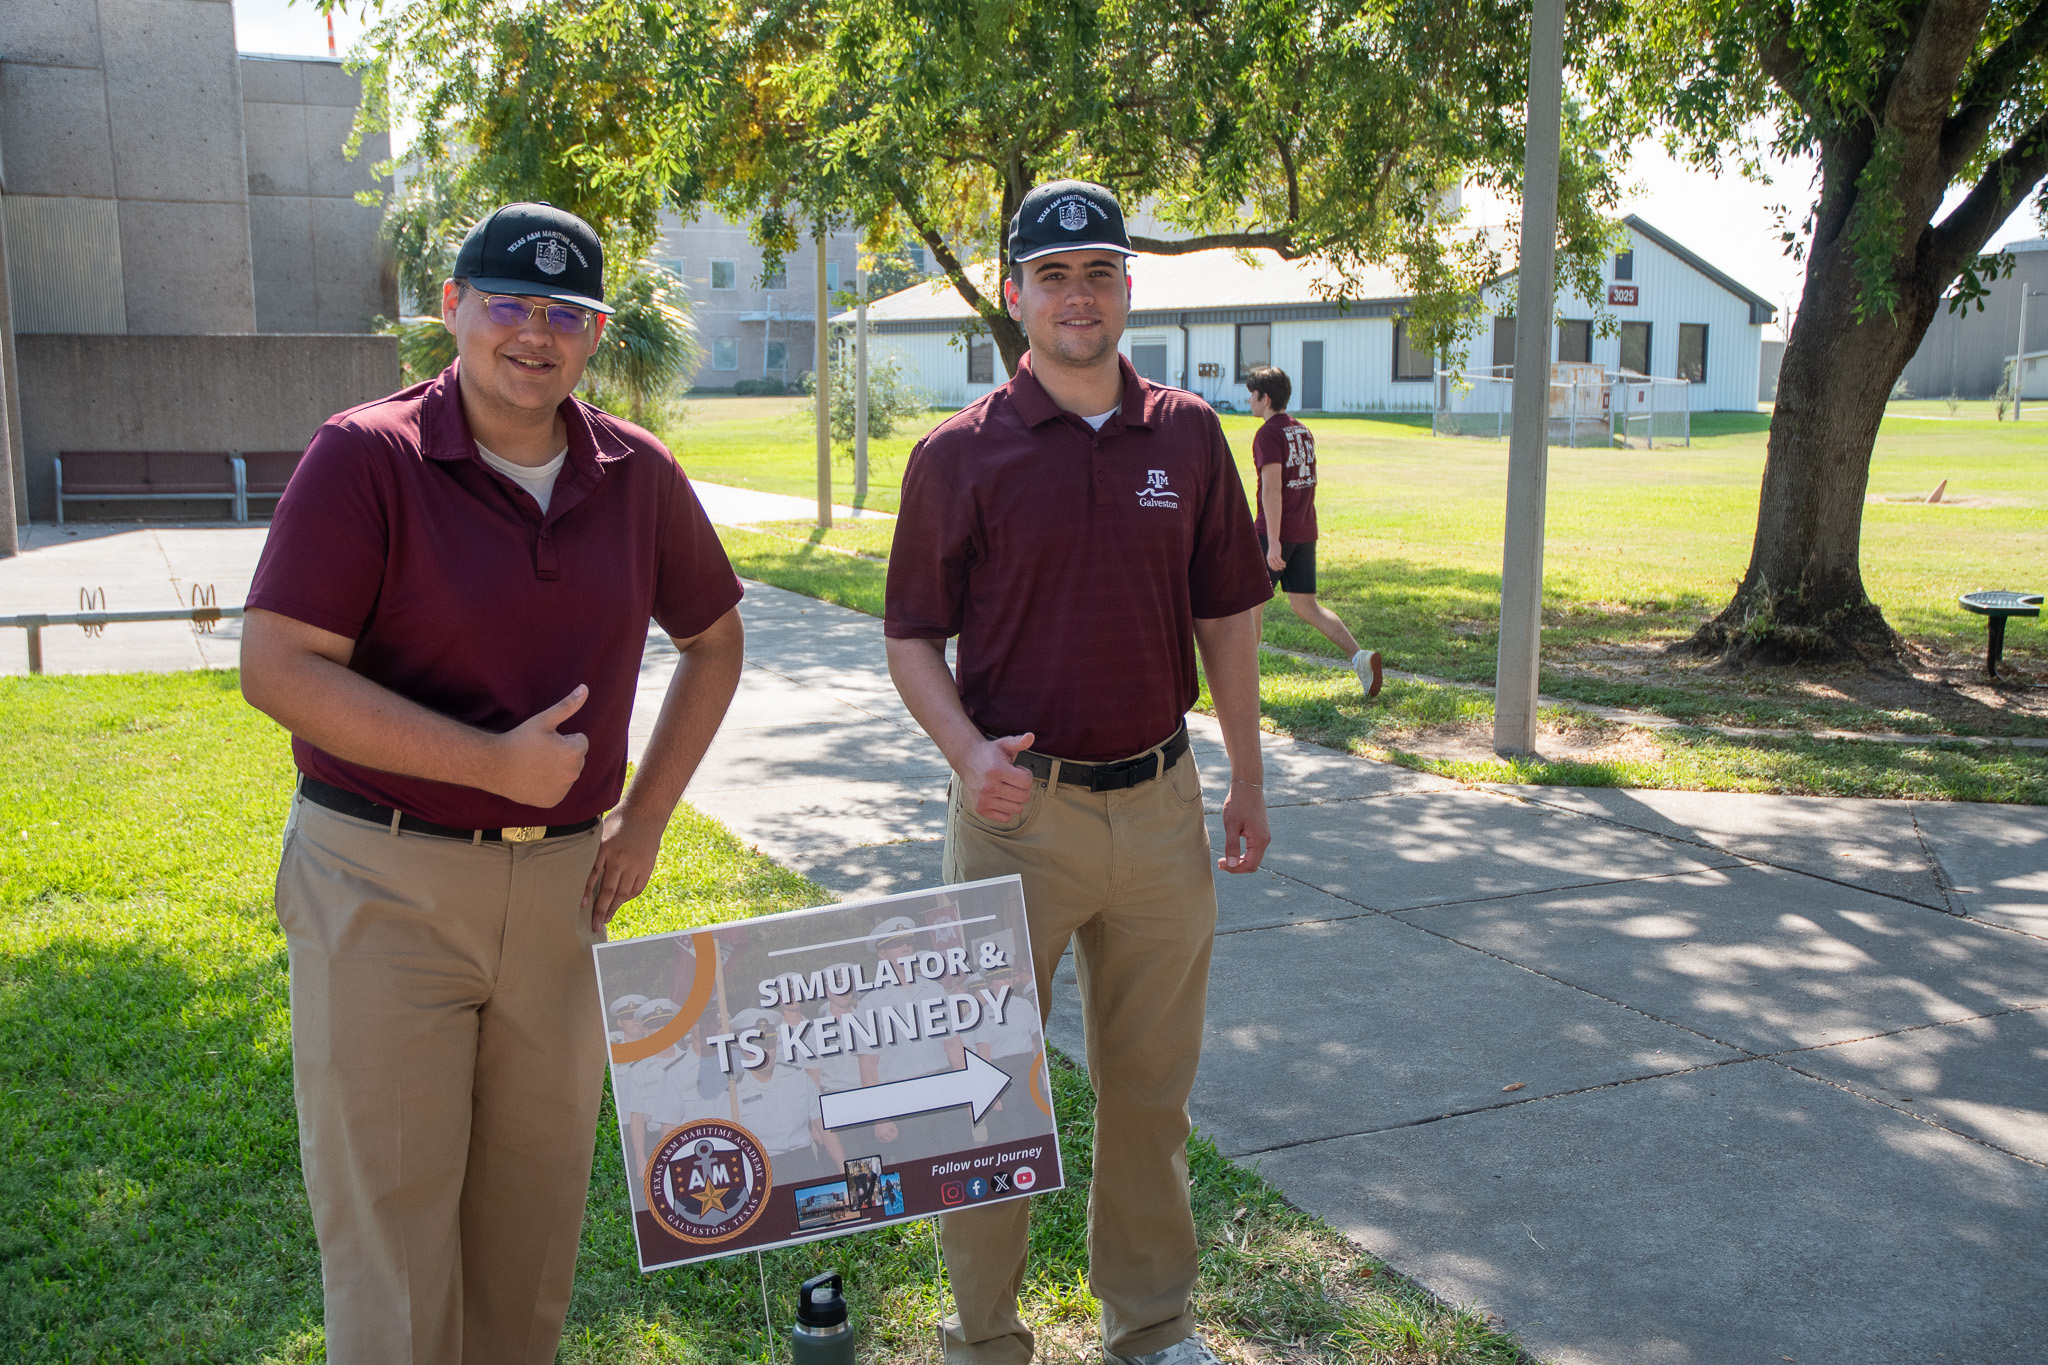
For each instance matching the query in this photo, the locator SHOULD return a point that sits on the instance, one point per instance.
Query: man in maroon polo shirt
(1083, 532)
(1284, 463)
(449, 617)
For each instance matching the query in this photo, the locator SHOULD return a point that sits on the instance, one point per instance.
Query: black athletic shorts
(1300, 573)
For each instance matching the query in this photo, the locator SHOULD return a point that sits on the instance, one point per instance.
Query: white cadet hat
(761, 1019)
(659, 1009)
(626, 1004)
(902, 926)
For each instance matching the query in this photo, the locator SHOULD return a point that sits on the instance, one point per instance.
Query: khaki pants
(1126, 876)
(448, 1060)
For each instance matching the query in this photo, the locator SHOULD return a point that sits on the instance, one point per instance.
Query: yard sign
(810, 1074)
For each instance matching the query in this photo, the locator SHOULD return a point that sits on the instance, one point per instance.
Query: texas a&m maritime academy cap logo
(537, 250)
(708, 1181)
(1067, 215)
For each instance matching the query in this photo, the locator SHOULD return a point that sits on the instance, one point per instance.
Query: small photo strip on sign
(810, 1074)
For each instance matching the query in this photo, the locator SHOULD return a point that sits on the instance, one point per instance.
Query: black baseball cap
(1067, 215)
(535, 249)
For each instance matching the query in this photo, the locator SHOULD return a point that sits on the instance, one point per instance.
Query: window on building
(1410, 363)
(725, 353)
(778, 356)
(1504, 342)
(1575, 341)
(917, 259)
(981, 361)
(832, 276)
(779, 279)
(1692, 351)
(1625, 264)
(725, 274)
(672, 264)
(1635, 347)
(1254, 347)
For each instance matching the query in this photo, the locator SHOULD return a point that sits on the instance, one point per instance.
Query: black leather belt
(1109, 777)
(363, 808)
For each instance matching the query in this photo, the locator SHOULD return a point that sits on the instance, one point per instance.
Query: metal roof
(1227, 285)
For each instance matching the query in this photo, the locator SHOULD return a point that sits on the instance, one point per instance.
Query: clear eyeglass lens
(506, 311)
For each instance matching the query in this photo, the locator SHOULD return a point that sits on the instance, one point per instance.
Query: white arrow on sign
(978, 1084)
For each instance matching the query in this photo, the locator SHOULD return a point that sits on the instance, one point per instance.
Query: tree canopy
(1310, 127)
(1901, 102)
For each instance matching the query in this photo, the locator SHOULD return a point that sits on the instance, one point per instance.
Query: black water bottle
(822, 1335)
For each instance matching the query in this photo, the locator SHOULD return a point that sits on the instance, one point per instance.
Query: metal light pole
(860, 388)
(2019, 355)
(821, 390)
(1521, 575)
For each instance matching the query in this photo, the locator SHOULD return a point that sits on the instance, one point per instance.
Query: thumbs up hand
(538, 765)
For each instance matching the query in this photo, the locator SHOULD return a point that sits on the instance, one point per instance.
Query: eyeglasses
(509, 311)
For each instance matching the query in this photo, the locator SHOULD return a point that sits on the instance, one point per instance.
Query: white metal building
(1199, 321)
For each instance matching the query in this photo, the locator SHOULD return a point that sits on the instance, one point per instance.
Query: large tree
(1312, 127)
(1900, 101)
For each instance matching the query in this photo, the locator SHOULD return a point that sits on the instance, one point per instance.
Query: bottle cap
(819, 1303)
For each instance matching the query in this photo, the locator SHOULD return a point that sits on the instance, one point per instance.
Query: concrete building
(1964, 355)
(185, 265)
(1199, 321)
(751, 325)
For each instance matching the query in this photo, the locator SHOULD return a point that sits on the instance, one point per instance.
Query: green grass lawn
(1640, 544)
(148, 1151)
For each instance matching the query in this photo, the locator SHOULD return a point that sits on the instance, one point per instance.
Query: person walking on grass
(449, 616)
(1284, 458)
(1084, 532)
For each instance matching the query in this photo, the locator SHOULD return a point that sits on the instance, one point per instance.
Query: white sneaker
(1366, 664)
(1187, 1351)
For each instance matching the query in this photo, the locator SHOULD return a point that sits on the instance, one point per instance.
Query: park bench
(172, 476)
(1998, 606)
(265, 474)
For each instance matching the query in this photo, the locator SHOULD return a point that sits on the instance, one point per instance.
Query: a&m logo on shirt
(1155, 493)
(708, 1181)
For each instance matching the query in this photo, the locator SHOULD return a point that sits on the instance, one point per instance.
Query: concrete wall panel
(175, 100)
(187, 393)
(352, 267)
(332, 84)
(281, 254)
(60, 32)
(327, 130)
(64, 264)
(53, 124)
(186, 267)
(268, 81)
(275, 136)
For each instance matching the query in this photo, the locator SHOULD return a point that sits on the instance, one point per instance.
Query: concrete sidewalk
(1656, 1077)
(1665, 1077)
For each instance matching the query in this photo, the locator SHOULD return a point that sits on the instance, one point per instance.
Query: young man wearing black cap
(1284, 461)
(449, 616)
(1083, 532)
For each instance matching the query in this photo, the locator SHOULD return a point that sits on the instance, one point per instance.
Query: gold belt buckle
(523, 834)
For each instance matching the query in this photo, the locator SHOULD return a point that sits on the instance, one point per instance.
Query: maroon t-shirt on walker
(1284, 441)
(1073, 563)
(462, 597)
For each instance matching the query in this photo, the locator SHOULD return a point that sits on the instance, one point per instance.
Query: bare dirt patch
(1472, 742)
(1945, 687)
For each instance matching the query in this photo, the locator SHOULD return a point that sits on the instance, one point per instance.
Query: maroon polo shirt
(1072, 563)
(462, 597)
(1283, 441)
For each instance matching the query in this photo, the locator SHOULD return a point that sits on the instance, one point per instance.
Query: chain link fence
(1589, 406)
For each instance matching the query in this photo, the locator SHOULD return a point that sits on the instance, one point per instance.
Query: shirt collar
(445, 433)
(1035, 405)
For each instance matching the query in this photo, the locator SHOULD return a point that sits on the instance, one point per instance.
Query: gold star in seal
(709, 1198)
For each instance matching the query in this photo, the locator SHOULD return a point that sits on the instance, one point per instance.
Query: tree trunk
(1010, 341)
(1802, 600)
